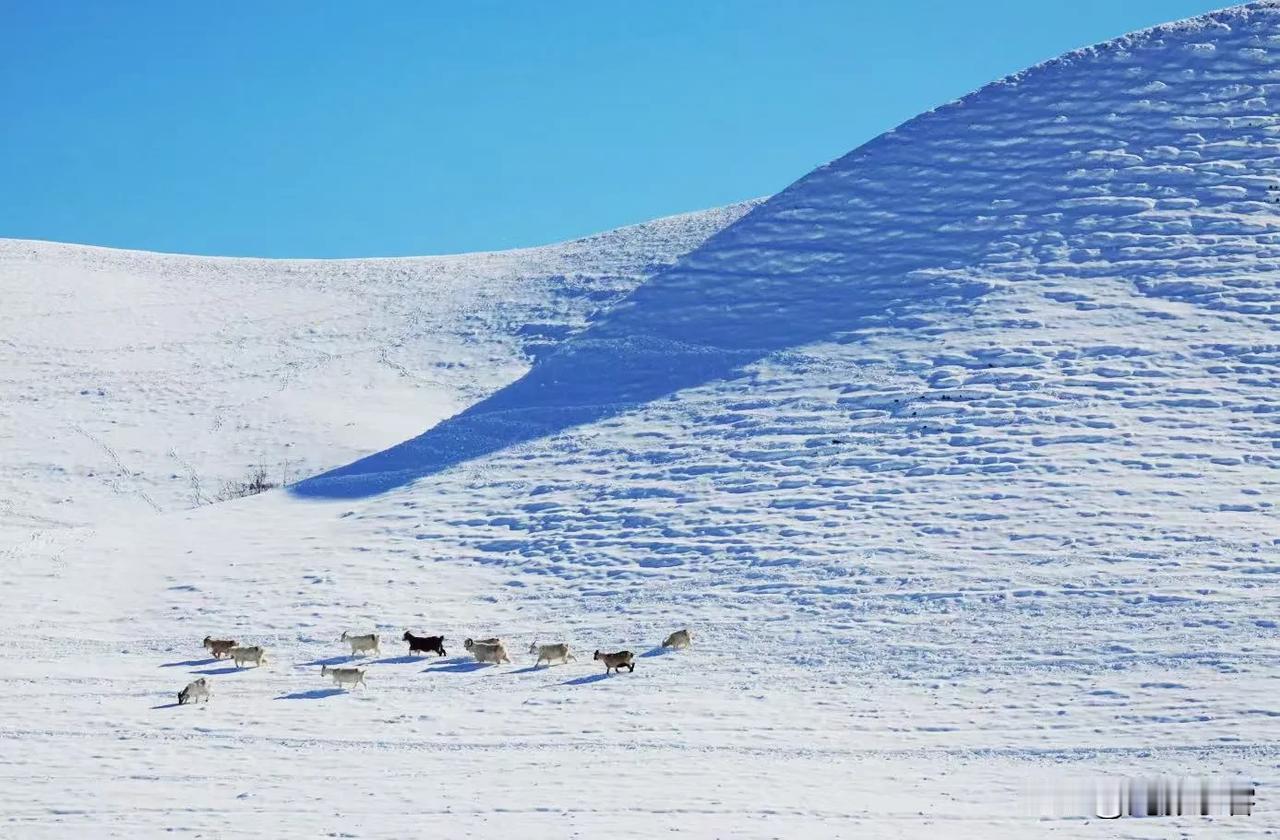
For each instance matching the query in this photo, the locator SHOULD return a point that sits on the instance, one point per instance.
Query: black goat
(425, 644)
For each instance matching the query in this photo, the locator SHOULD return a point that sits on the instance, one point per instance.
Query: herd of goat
(491, 651)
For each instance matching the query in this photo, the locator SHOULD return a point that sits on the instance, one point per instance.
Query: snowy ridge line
(673, 220)
(1133, 40)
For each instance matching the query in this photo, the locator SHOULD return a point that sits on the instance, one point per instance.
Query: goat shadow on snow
(190, 663)
(332, 660)
(228, 670)
(397, 660)
(313, 694)
(531, 669)
(658, 651)
(587, 680)
(457, 666)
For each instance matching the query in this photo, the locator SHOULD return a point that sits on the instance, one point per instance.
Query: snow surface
(141, 382)
(958, 457)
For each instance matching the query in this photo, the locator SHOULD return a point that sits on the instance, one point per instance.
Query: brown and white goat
(218, 647)
(617, 661)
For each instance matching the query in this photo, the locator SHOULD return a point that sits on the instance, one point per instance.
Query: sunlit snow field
(958, 457)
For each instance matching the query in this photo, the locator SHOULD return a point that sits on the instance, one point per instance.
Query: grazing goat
(617, 661)
(344, 676)
(679, 639)
(193, 692)
(425, 644)
(254, 654)
(218, 647)
(361, 644)
(551, 653)
(486, 652)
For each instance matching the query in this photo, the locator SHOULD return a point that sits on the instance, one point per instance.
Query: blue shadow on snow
(657, 651)
(229, 670)
(190, 663)
(530, 669)
(587, 680)
(462, 667)
(332, 660)
(769, 282)
(313, 694)
(398, 660)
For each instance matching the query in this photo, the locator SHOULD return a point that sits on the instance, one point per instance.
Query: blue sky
(325, 129)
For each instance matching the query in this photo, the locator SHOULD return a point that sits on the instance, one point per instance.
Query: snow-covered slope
(958, 456)
(138, 381)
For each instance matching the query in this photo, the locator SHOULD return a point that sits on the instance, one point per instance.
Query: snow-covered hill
(958, 456)
(139, 382)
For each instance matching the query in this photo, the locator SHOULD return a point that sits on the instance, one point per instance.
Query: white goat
(361, 644)
(193, 692)
(485, 652)
(254, 654)
(551, 653)
(344, 676)
(679, 639)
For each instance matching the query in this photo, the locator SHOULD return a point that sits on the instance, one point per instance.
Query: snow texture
(958, 457)
(138, 382)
